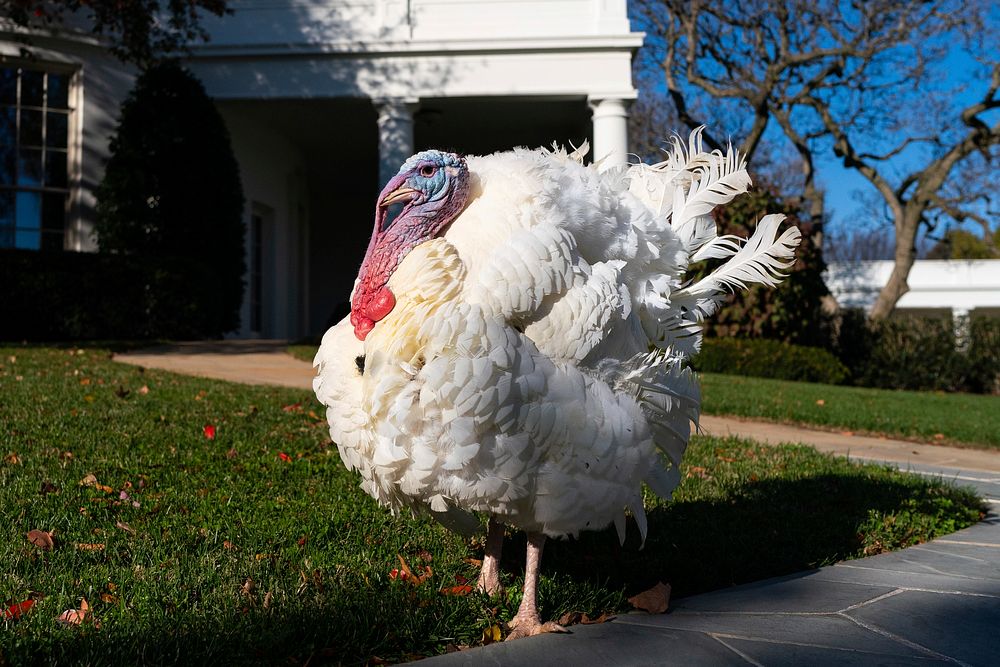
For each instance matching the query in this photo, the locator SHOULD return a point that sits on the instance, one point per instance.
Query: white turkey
(518, 339)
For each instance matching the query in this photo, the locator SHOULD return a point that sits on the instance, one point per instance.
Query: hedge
(762, 357)
(51, 296)
(917, 353)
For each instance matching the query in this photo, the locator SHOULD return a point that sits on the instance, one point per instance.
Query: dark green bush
(920, 353)
(51, 296)
(171, 195)
(769, 359)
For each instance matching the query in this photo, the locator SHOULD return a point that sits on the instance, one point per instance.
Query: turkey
(519, 333)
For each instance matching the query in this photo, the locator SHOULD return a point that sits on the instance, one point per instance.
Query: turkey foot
(489, 575)
(527, 622)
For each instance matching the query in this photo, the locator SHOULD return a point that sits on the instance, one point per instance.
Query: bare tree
(863, 79)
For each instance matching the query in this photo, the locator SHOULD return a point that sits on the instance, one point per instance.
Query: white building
(937, 287)
(324, 100)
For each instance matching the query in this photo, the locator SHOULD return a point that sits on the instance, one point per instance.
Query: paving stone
(780, 655)
(963, 627)
(598, 646)
(986, 531)
(858, 571)
(942, 559)
(825, 631)
(796, 593)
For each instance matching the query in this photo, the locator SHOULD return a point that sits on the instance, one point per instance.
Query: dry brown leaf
(603, 618)
(475, 562)
(939, 436)
(41, 539)
(462, 589)
(248, 587)
(89, 547)
(89, 480)
(655, 600)
(492, 634)
(268, 599)
(228, 545)
(820, 402)
(74, 617)
(124, 526)
(108, 598)
(12, 458)
(144, 390)
(726, 459)
(698, 471)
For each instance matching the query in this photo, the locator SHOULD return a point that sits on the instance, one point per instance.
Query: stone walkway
(936, 603)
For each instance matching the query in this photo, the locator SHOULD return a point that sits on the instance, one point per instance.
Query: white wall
(958, 285)
(273, 174)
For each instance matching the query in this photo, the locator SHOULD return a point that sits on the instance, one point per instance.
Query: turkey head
(433, 188)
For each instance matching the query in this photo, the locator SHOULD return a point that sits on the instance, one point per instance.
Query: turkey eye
(427, 170)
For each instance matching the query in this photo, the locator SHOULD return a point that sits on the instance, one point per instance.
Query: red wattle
(381, 305)
(362, 327)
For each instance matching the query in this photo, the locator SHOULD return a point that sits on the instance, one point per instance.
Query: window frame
(70, 192)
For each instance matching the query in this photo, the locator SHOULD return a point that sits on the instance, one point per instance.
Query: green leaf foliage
(172, 191)
(769, 359)
(791, 313)
(921, 353)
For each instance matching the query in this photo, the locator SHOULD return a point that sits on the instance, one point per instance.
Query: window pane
(55, 169)
(8, 85)
(8, 164)
(8, 125)
(31, 127)
(29, 220)
(29, 167)
(53, 221)
(58, 91)
(6, 219)
(31, 87)
(56, 130)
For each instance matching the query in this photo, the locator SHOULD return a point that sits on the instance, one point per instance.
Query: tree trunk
(906, 254)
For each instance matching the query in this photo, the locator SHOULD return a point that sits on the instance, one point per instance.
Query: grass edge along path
(208, 521)
(965, 420)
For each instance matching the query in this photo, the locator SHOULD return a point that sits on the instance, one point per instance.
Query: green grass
(174, 584)
(303, 352)
(970, 420)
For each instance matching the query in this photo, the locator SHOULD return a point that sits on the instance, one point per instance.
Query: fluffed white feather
(515, 374)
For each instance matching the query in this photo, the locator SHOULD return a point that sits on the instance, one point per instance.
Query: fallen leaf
(727, 459)
(425, 555)
(108, 598)
(302, 540)
(312, 414)
(89, 398)
(144, 390)
(603, 618)
(232, 453)
(268, 599)
(73, 617)
(15, 611)
(12, 459)
(698, 471)
(41, 539)
(228, 545)
(294, 407)
(88, 480)
(655, 600)
(939, 436)
(848, 434)
(248, 587)
(124, 526)
(491, 634)
(112, 586)
(475, 562)
(209, 431)
(820, 402)
(284, 457)
(464, 589)
(89, 547)
(415, 579)
(84, 381)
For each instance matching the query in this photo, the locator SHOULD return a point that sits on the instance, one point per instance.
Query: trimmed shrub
(793, 311)
(171, 196)
(920, 353)
(51, 296)
(769, 359)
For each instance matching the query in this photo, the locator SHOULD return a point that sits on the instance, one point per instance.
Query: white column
(395, 135)
(610, 130)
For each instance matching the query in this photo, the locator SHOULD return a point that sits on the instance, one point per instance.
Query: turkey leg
(527, 622)
(489, 576)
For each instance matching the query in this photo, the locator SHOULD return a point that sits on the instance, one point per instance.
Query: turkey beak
(396, 195)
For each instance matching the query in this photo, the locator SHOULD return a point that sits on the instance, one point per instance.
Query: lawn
(970, 420)
(255, 544)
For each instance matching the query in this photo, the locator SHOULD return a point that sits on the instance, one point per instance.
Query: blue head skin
(434, 188)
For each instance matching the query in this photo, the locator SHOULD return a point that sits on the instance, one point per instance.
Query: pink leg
(489, 576)
(527, 622)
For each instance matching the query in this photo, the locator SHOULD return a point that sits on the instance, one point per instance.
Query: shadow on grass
(753, 531)
(762, 529)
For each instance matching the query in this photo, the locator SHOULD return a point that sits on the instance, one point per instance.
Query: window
(35, 126)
